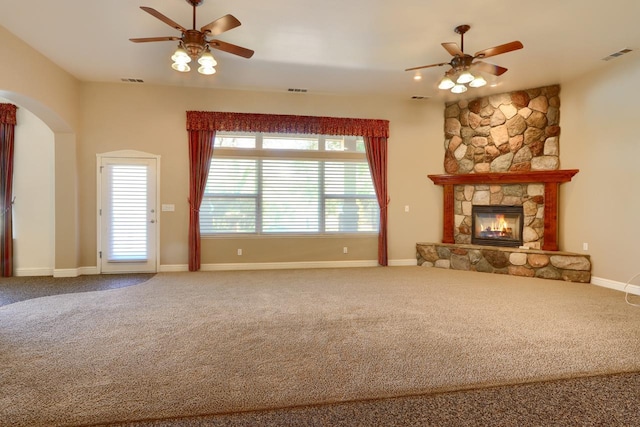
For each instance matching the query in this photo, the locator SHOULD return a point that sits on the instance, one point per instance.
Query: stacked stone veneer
(517, 262)
(510, 132)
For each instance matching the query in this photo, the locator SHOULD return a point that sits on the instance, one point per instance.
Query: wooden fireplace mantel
(550, 179)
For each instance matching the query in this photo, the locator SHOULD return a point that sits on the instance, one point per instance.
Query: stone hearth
(555, 265)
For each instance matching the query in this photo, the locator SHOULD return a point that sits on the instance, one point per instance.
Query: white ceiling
(330, 46)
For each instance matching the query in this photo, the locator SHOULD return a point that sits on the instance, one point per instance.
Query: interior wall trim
(33, 272)
(618, 286)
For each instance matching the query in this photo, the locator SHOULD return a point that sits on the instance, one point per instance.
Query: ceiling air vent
(297, 90)
(616, 54)
(132, 80)
(419, 97)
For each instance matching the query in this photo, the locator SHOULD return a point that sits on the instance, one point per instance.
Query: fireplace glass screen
(497, 225)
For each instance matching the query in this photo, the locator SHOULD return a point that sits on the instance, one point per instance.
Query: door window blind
(127, 213)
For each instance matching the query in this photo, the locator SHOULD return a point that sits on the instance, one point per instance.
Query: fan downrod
(461, 29)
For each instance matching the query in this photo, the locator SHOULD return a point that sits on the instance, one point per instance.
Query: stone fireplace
(503, 151)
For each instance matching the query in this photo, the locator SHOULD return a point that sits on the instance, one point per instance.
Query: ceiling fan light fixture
(206, 70)
(180, 56)
(465, 77)
(459, 77)
(478, 82)
(446, 83)
(207, 59)
(459, 89)
(180, 66)
(194, 44)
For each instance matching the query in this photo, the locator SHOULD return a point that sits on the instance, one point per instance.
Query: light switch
(168, 208)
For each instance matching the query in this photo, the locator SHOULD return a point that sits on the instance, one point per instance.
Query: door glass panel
(128, 240)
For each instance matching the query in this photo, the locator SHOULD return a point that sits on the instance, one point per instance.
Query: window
(270, 184)
(127, 212)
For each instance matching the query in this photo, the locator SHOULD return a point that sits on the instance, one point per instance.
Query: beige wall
(153, 119)
(33, 190)
(598, 137)
(31, 81)
(599, 119)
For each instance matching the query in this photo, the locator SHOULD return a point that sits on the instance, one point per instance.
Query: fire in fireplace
(496, 225)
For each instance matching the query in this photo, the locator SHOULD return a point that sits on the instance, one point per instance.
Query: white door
(128, 215)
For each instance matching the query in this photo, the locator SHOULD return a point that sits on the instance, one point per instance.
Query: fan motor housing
(461, 62)
(194, 42)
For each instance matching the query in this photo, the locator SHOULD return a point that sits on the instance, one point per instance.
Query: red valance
(8, 114)
(281, 123)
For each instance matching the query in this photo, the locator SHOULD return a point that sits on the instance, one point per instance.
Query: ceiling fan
(196, 43)
(462, 63)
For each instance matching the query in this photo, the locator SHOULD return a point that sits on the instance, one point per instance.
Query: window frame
(321, 155)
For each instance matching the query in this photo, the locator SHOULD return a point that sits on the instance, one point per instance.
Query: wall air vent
(132, 80)
(616, 54)
(296, 90)
(419, 97)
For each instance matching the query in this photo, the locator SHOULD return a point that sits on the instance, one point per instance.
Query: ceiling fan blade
(497, 50)
(163, 18)
(428, 66)
(453, 48)
(231, 48)
(154, 39)
(220, 25)
(496, 70)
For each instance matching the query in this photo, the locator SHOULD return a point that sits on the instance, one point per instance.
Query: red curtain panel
(200, 152)
(376, 149)
(7, 131)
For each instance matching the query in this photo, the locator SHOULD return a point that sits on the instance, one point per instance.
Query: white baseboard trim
(66, 272)
(178, 268)
(88, 271)
(75, 272)
(411, 262)
(618, 286)
(33, 272)
(288, 265)
(173, 268)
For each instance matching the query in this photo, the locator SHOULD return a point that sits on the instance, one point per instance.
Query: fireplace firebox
(497, 225)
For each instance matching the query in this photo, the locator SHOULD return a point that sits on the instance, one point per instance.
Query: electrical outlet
(585, 246)
(345, 250)
(406, 208)
(239, 251)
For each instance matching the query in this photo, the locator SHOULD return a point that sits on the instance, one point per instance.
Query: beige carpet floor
(187, 344)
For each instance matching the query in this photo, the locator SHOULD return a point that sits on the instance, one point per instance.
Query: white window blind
(350, 199)
(290, 196)
(269, 190)
(230, 201)
(128, 213)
